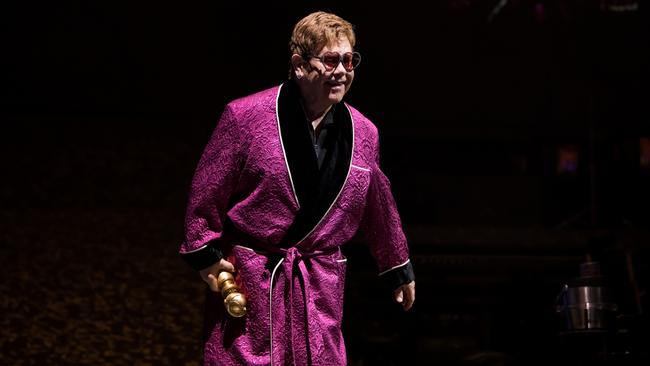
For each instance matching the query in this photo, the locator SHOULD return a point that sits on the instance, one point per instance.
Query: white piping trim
(260, 252)
(344, 182)
(400, 265)
(342, 260)
(243, 247)
(284, 153)
(360, 168)
(271, 307)
(195, 250)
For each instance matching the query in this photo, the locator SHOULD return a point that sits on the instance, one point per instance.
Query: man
(291, 174)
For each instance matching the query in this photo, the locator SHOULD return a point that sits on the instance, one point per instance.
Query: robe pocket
(253, 279)
(327, 281)
(340, 264)
(353, 197)
(253, 276)
(242, 255)
(335, 278)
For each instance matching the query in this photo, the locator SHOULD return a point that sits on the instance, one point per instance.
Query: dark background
(106, 107)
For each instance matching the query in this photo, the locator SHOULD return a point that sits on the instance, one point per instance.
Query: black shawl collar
(316, 189)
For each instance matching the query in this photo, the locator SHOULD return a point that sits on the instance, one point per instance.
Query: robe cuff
(398, 276)
(202, 258)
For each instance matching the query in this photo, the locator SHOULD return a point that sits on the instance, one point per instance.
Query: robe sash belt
(305, 336)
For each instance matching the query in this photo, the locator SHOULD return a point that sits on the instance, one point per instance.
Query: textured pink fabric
(243, 174)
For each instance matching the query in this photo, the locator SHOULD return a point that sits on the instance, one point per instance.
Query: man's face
(323, 86)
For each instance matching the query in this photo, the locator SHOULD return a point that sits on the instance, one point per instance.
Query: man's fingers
(409, 295)
(408, 302)
(405, 295)
(399, 295)
(226, 266)
(210, 274)
(212, 282)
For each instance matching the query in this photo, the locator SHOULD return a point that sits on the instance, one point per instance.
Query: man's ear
(297, 63)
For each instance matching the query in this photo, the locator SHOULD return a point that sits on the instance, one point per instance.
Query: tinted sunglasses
(331, 60)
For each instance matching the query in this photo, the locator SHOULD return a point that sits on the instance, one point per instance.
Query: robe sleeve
(214, 182)
(381, 229)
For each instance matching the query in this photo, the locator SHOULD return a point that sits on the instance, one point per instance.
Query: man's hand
(209, 275)
(405, 295)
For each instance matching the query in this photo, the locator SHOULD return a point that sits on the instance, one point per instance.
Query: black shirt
(319, 140)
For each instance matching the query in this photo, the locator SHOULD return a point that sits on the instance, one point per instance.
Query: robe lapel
(316, 190)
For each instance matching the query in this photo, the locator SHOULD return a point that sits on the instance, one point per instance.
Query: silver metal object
(587, 307)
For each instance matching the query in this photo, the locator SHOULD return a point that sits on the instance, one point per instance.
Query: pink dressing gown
(244, 198)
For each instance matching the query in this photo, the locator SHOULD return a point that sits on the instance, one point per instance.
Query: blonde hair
(318, 30)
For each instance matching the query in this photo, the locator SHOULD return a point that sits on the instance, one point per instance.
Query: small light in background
(619, 6)
(567, 159)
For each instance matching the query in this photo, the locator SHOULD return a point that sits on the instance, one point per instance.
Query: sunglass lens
(331, 60)
(351, 60)
(348, 62)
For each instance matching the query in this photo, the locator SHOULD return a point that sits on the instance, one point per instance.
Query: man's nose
(339, 69)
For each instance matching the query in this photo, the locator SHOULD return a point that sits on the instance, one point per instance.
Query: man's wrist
(398, 276)
(203, 258)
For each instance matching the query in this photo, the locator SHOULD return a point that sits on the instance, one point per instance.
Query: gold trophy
(234, 300)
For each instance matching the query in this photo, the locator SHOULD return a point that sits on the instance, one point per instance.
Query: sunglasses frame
(341, 56)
